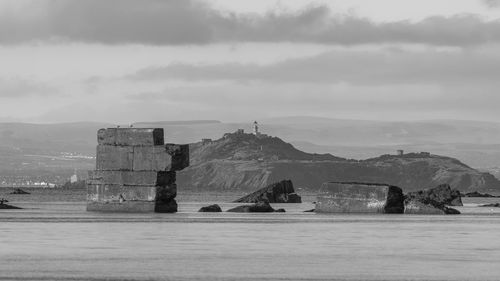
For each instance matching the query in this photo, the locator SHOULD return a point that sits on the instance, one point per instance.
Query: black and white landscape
(302, 139)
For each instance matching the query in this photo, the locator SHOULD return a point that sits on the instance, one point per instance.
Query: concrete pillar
(135, 171)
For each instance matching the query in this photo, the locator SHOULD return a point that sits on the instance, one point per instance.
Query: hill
(241, 146)
(42, 152)
(247, 162)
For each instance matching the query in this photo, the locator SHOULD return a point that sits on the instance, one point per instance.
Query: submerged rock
(210, 209)
(259, 207)
(280, 211)
(353, 197)
(477, 194)
(6, 206)
(19, 191)
(279, 192)
(497, 205)
(310, 211)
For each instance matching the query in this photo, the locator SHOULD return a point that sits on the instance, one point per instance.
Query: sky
(124, 61)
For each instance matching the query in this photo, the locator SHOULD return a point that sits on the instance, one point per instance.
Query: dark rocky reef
(433, 201)
(210, 209)
(4, 206)
(478, 194)
(19, 191)
(279, 192)
(442, 194)
(496, 205)
(259, 207)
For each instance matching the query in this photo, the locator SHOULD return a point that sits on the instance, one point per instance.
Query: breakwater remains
(355, 197)
(135, 171)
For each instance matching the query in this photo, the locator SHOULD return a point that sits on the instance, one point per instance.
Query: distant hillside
(47, 150)
(241, 146)
(243, 161)
(156, 124)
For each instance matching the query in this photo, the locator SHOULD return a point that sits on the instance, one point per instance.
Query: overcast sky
(236, 60)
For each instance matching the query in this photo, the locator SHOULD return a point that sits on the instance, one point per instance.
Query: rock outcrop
(19, 191)
(443, 194)
(260, 207)
(135, 171)
(6, 206)
(353, 197)
(433, 201)
(210, 209)
(279, 192)
(496, 205)
(478, 194)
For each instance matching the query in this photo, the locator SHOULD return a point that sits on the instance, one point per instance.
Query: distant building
(256, 131)
(240, 131)
(400, 152)
(256, 128)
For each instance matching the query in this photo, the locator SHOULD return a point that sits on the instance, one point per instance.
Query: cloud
(180, 22)
(491, 3)
(377, 67)
(18, 88)
(236, 101)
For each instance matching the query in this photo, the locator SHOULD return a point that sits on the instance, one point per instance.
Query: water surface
(61, 241)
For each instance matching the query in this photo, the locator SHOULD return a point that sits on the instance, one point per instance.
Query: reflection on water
(60, 241)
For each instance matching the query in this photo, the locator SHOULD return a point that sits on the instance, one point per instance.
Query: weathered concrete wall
(130, 136)
(135, 171)
(141, 158)
(349, 197)
(149, 178)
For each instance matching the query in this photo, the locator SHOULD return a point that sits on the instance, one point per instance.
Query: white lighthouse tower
(256, 128)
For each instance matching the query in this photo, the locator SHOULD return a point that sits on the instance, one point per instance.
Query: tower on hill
(256, 128)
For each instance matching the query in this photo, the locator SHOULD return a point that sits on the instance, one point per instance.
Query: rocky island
(243, 161)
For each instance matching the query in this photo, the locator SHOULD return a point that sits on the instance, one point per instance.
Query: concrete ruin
(351, 197)
(135, 171)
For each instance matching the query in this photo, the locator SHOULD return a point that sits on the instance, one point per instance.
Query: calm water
(60, 241)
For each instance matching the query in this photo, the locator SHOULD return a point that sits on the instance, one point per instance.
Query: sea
(54, 238)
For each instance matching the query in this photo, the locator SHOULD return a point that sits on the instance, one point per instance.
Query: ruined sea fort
(135, 171)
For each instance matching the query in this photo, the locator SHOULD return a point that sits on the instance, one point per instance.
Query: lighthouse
(256, 128)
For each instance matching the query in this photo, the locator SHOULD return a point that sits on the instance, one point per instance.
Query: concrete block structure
(352, 197)
(135, 171)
